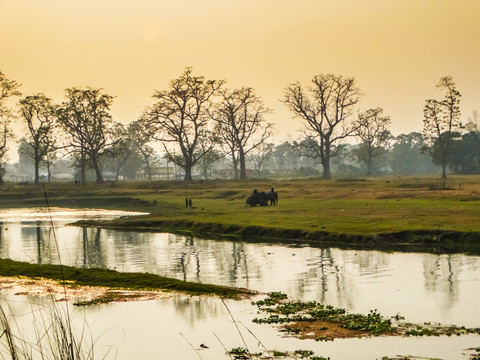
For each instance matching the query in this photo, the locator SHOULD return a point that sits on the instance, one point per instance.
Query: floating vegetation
(326, 322)
(282, 311)
(241, 353)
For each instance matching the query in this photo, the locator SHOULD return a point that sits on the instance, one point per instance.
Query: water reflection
(422, 287)
(151, 330)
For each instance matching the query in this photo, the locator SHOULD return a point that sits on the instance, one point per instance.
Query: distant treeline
(204, 130)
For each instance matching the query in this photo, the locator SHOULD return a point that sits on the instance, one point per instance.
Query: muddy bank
(79, 295)
(434, 241)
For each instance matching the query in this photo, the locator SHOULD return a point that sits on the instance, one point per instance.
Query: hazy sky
(396, 49)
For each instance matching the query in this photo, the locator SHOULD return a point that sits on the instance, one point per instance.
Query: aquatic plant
(304, 353)
(282, 311)
(238, 351)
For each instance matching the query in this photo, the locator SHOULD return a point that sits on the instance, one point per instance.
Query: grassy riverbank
(114, 280)
(371, 211)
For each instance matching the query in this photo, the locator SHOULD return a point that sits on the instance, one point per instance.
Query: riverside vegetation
(387, 212)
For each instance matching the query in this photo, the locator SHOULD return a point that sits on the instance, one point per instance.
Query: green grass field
(363, 206)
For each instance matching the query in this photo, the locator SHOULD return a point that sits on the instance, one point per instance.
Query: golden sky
(396, 49)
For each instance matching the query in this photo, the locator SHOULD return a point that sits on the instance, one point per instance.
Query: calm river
(421, 287)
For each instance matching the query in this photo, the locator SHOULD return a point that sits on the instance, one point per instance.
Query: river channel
(422, 287)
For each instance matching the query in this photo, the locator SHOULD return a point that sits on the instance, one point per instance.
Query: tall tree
(39, 115)
(372, 129)
(441, 123)
(121, 148)
(142, 136)
(261, 155)
(326, 112)
(6, 134)
(473, 123)
(85, 117)
(8, 88)
(181, 114)
(241, 124)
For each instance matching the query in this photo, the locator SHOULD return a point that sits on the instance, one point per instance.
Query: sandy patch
(83, 295)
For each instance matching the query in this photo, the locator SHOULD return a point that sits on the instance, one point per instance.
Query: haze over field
(397, 50)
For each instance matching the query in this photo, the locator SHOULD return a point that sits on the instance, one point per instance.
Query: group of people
(188, 203)
(255, 191)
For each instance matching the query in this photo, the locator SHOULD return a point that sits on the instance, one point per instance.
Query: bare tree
(85, 117)
(473, 123)
(241, 124)
(6, 134)
(211, 155)
(120, 149)
(261, 155)
(441, 123)
(180, 114)
(142, 135)
(326, 112)
(372, 129)
(39, 114)
(8, 88)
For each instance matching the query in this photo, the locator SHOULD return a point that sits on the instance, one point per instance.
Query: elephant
(271, 196)
(262, 198)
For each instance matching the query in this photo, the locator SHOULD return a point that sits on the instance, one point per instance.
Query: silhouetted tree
(261, 155)
(372, 129)
(6, 134)
(8, 88)
(441, 123)
(181, 113)
(120, 149)
(211, 155)
(39, 114)
(285, 156)
(326, 112)
(473, 123)
(85, 117)
(142, 136)
(241, 124)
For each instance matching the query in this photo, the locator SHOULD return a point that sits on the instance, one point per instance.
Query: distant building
(17, 177)
(158, 173)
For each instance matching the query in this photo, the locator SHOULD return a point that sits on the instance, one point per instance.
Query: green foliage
(372, 322)
(239, 351)
(304, 353)
(282, 311)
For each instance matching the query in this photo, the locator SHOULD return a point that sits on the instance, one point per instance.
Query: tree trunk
(235, 168)
(188, 173)
(98, 171)
(327, 175)
(444, 170)
(148, 167)
(37, 172)
(243, 167)
(49, 172)
(83, 169)
(325, 157)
